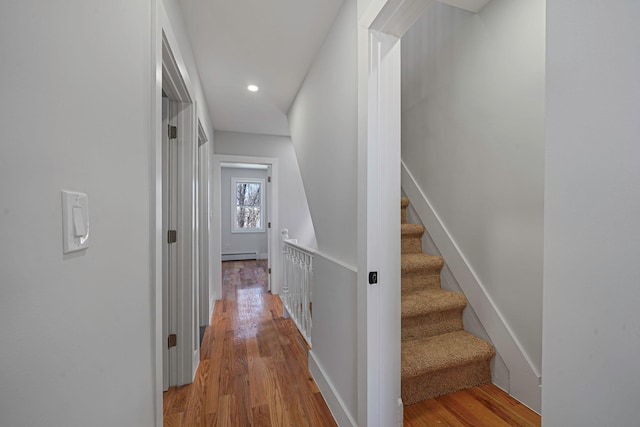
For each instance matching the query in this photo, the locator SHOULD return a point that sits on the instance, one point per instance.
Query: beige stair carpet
(438, 355)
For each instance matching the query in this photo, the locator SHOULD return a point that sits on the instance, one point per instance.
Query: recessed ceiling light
(253, 88)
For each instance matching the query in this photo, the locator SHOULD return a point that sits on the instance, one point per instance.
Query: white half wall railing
(297, 284)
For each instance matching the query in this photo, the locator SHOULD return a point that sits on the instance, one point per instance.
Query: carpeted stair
(438, 355)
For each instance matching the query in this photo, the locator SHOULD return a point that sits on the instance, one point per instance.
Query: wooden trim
(178, 86)
(469, 5)
(332, 398)
(336, 261)
(233, 204)
(397, 16)
(202, 134)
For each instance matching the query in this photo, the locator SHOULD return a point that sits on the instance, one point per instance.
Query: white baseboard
(334, 402)
(239, 256)
(212, 304)
(524, 380)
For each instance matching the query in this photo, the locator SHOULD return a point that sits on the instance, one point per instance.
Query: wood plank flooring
(253, 372)
(253, 367)
(483, 406)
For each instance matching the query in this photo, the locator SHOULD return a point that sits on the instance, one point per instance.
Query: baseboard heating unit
(239, 256)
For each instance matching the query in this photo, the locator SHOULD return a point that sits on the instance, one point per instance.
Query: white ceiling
(270, 43)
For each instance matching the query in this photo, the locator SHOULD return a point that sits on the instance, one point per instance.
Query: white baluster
(297, 284)
(284, 235)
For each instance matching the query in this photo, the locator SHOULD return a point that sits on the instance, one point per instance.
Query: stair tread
(411, 229)
(443, 351)
(425, 301)
(419, 261)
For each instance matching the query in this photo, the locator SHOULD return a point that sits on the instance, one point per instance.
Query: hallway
(253, 372)
(253, 363)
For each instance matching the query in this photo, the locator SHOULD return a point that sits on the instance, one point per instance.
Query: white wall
(176, 19)
(473, 138)
(76, 329)
(333, 359)
(240, 242)
(592, 214)
(293, 209)
(323, 121)
(172, 21)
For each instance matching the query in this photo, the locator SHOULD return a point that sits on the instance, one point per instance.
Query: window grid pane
(248, 206)
(248, 217)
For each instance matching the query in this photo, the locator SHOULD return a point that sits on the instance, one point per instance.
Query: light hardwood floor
(253, 367)
(253, 372)
(483, 406)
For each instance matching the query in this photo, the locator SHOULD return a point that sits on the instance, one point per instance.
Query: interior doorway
(270, 221)
(180, 339)
(245, 212)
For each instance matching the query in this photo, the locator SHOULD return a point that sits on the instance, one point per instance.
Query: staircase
(438, 355)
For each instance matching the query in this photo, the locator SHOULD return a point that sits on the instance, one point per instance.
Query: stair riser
(438, 383)
(415, 282)
(411, 245)
(428, 325)
(426, 270)
(435, 266)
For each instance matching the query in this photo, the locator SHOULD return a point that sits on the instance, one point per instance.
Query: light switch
(75, 221)
(78, 222)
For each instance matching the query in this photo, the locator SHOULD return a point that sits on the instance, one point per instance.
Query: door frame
(381, 24)
(168, 67)
(169, 252)
(204, 223)
(216, 221)
(188, 325)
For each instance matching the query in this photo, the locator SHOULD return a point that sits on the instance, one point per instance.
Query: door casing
(204, 215)
(381, 24)
(171, 79)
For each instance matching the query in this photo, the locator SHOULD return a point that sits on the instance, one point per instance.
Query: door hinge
(268, 179)
(269, 270)
(172, 341)
(173, 132)
(269, 225)
(172, 236)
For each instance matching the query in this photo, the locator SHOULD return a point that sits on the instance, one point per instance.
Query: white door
(195, 295)
(169, 248)
(267, 199)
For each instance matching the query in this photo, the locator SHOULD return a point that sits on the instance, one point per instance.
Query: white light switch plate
(75, 221)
